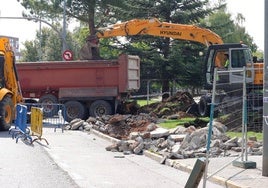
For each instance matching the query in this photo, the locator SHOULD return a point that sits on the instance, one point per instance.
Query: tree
(164, 58)
(92, 12)
(101, 12)
(46, 46)
(30, 52)
(231, 31)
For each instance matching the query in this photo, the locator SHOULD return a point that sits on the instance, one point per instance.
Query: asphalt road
(25, 166)
(78, 159)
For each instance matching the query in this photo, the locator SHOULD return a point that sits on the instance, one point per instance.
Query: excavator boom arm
(163, 29)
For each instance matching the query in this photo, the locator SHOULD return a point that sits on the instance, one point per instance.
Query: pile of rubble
(180, 102)
(137, 133)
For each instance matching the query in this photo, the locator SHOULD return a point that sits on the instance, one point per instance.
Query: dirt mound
(120, 126)
(180, 102)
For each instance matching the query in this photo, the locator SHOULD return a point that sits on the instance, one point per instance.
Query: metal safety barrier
(21, 130)
(37, 124)
(53, 114)
(32, 117)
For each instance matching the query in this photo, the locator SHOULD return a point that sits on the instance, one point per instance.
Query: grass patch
(258, 135)
(144, 102)
(169, 124)
(172, 123)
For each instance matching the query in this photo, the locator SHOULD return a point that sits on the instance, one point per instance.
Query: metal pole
(212, 105)
(265, 97)
(244, 119)
(148, 91)
(40, 40)
(64, 27)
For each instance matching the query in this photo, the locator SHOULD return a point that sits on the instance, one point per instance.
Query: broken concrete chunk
(159, 133)
(177, 137)
(77, 124)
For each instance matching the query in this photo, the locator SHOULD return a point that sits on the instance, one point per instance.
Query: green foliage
(258, 135)
(30, 52)
(46, 47)
(231, 31)
(161, 58)
(171, 123)
(259, 54)
(145, 102)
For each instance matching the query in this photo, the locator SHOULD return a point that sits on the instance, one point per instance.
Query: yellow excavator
(162, 29)
(10, 93)
(239, 54)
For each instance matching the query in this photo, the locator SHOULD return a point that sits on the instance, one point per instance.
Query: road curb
(104, 136)
(172, 163)
(188, 168)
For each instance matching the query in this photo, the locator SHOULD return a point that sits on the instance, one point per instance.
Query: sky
(252, 10)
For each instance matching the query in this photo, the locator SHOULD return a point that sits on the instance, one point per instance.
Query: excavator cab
(230, 77)
(239, 56)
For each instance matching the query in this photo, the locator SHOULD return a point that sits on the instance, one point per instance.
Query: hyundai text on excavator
(10, 93)
(239, 54)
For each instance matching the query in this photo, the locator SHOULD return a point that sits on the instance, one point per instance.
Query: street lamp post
(265, 97)
(64, 45)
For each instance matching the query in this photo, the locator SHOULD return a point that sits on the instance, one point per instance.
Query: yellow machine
(10, 93)
(239, 54)
(162, 29)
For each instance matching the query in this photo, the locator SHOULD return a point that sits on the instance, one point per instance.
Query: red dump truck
(85, 87)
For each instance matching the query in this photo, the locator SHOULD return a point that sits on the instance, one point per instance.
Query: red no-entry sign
(67, 55)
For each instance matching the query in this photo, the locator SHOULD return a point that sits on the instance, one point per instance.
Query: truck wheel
(6, 113)
(99, 108)
(74, 109)
(49, 106)
(203, 106)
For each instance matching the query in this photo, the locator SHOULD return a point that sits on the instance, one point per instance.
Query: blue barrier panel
(21, 130)
(21, 120)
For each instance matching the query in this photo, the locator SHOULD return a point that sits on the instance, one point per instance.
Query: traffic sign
(67, 55)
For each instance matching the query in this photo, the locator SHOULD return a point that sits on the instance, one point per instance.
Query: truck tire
(74, 109)
(49, 106)
(6, 113)
(204, 106)
(100, 108)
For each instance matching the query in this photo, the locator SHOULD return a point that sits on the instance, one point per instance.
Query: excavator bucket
(91, 49)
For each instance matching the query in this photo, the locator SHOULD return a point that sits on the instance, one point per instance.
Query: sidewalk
(83, 156)
(230, 176)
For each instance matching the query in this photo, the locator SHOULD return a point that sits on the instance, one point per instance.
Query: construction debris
(141, 131)
(137, 133)
(180, 102)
